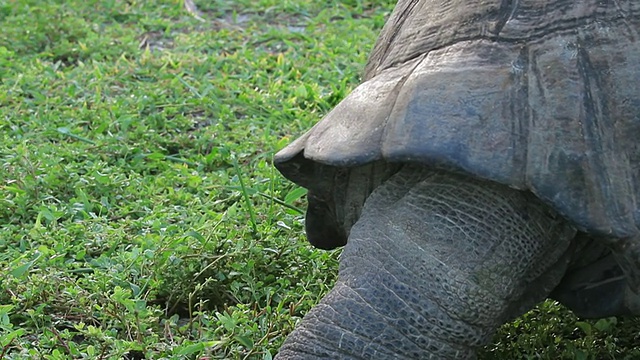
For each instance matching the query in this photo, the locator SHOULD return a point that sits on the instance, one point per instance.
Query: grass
(141, 216)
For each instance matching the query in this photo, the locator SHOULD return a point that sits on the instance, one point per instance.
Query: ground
(141, 215)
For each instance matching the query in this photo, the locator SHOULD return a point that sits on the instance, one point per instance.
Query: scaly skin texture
(434, 265)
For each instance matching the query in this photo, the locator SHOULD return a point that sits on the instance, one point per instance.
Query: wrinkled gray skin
(434, 265)
(490, 160)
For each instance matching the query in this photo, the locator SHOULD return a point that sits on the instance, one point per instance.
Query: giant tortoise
(489, 160)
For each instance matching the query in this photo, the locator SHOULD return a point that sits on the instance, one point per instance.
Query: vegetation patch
(141, 215)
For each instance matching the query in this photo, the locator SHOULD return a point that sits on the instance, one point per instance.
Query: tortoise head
(324, 231)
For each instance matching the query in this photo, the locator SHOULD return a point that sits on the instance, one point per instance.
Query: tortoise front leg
(434, 265)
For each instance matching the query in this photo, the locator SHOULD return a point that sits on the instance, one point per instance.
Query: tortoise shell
(539, 95)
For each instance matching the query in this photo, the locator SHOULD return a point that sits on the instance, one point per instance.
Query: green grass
(141, 216)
